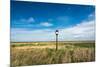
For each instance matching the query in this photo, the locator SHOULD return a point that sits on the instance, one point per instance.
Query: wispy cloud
(29, 35)
(46, 24)
(72, 21)
(28, 20)
(91, 16)
(83, 31)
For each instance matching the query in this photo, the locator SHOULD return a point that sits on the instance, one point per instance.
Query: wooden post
(56, 32)
(56, 42)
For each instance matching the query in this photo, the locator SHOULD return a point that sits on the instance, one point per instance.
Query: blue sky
(35, 21)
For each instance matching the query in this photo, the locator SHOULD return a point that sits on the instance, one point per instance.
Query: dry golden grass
(37, 56)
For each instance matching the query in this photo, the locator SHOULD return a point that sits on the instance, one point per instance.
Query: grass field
(37, 53)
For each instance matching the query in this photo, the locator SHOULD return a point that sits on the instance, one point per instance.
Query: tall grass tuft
(23, 57)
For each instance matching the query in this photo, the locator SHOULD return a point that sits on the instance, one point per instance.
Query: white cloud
(46, 24)
(91, 16)
(29, 20)
(82, 31)
(36, 35)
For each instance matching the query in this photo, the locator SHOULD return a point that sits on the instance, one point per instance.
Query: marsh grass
(23, 57)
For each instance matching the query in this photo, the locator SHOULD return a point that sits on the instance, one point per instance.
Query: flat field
(37, 53)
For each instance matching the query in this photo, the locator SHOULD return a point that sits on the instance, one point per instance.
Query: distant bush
(87, 45)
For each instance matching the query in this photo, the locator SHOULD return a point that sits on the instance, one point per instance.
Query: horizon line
(51, 41)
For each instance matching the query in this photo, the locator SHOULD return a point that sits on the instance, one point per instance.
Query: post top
(57, 31)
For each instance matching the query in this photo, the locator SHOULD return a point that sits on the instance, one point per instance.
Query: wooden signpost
(56, 32)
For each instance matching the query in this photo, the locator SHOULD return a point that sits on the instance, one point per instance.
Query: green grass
(21, 45)
(87, 45)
